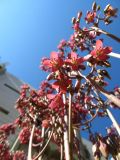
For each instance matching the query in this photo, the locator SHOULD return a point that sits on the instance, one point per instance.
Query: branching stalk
(70, 125)
(42, 151)
(66, 138)
(106, 33)
(62, 152)
(110, 96)
(42, 136)
(30, 143)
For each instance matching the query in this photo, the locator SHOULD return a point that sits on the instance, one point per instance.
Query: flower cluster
(19, 155)
(71, 97)
(24, 135)
(4, 147)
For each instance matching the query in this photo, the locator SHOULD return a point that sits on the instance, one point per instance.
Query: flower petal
(99, 44)
(74, 55)
(54, 55)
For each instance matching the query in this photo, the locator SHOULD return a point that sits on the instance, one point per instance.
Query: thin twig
(88, 121)
(14, 144)
(42, 151)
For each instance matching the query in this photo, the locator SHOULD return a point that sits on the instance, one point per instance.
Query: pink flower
(74, 61)
(8, 128)
(87, 99)
(4, 152)
(100, 52)
(53, 64)
(92, 34)
(90, 17)
(24, 135)
(57, 101)
(45, 123)
(25, 86)
(62, 44)
(76, 26)
(62, 83)
(19, 155)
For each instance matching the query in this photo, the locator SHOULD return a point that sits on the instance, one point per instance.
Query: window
(3, 110)
(13, 89)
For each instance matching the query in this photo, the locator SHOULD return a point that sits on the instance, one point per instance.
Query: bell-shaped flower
(101, 53)
(90, 17)
(74, 61)
(53, 64)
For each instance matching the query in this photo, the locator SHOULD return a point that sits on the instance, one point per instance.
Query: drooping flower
(62, 83)
(101, 53)
(53, 64)
(90, 17)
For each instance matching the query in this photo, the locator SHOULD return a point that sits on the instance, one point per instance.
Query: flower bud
(73, 20)
(94, 6)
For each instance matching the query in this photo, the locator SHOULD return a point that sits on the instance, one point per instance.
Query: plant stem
(42, 151)
(77, 136)
(106, 33)
(62, 152)
(116, 55)
(113, 121)
(66, 140)
(14, 144)
(107, 94)
(42, 136)
(70, 126)
(30, 143)
(110, 96)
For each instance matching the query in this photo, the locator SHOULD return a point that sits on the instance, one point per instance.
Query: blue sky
(31, 29)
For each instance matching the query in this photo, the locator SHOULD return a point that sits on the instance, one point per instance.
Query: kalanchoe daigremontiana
(71, 97)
